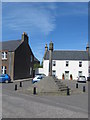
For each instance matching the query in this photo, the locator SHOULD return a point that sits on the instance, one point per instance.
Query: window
(79, 73)
(80, 64)
(54, 63)
(31, 58)
(54, 72)
(30, 70)
(89, 69)
(3, 69)
(4, 55)
(67, 63)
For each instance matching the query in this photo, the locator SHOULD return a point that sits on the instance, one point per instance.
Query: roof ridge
(11, 45)
(11, 40)
(68, 55)
(70, 50)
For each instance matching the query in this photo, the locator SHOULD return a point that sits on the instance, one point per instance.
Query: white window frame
(80, 63)
(3, 69)
(4, 55)
(30, 70)
(80, 72)
(54, 72)
(67, 63)
(54, 63)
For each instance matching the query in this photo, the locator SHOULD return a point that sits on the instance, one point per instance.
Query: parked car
(37, 78)
(43, 75)
(5, 78)
(81, 79)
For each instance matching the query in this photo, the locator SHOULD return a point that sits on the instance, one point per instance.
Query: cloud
(37, 19)
(29, 16)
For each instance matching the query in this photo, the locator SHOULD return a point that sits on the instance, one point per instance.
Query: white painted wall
(73, 68)
(39, 70)
(46, 67)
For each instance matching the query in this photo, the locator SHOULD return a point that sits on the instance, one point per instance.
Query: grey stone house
(17, 58)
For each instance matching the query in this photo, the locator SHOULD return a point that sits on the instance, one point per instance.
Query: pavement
(72, 85)
(22, 80)
(43, 86)
(16, 104)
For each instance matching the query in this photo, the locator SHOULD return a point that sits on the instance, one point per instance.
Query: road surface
(18, 105)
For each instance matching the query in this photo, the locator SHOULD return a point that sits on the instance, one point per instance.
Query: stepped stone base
(50, 85)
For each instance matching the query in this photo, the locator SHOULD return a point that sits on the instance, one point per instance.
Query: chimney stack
(87, 48)
(46, 47)
(50, 58)
(25, 37)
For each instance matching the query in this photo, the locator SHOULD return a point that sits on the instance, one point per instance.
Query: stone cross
(50, 58)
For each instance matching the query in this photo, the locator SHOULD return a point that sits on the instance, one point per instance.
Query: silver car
(43, 75)
(81, 79)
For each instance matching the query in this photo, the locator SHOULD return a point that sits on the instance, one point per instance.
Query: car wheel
(6, 81)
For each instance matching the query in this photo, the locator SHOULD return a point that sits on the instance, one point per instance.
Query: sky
(63, 23)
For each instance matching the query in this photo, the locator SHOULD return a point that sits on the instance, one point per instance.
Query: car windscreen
(39, 77)
(82, 76)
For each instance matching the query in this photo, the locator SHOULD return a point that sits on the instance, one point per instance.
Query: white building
(67, 64)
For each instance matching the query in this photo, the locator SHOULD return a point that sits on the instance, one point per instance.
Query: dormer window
(4, 55)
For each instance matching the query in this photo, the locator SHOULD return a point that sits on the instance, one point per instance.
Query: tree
(38, 66)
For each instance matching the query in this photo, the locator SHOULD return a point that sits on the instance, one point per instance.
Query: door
(54, 73)
(79, 73)
(66, 75)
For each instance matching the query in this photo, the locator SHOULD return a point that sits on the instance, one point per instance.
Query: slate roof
(36, 60)
(67, 55)
(10, 45)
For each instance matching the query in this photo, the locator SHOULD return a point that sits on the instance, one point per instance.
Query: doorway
(79, 73)
(66, 75)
